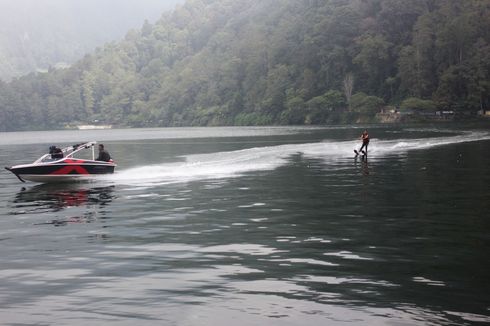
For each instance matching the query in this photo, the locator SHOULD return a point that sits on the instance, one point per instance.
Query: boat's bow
(10, 169)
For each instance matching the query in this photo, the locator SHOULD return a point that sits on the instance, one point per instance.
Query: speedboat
(64, 168)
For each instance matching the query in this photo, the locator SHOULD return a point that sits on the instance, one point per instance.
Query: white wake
(237, 163)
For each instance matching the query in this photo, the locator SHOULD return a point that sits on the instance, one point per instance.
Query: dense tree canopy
(224, 62)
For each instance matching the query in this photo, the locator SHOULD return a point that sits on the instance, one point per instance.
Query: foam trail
(237, 163)
(404, 145)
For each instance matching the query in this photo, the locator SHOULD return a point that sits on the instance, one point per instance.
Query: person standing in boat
(103, 154)
(56, 152)
(365, 141)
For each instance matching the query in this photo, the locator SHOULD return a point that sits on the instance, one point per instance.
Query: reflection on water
(363, 163)
(54, 198)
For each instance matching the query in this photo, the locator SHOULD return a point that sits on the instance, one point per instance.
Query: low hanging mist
(37, 34)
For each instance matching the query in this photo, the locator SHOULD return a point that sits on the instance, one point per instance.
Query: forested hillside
(225, 62)
(37, 34)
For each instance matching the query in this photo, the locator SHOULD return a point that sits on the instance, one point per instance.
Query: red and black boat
(63, 166)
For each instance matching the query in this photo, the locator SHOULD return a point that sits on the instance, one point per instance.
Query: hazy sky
(35, 34)
(83, 12)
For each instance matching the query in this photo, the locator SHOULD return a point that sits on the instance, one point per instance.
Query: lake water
(252, 226)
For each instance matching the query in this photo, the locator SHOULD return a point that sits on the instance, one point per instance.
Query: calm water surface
(252, 226)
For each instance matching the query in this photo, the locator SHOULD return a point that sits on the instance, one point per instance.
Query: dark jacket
(56, 153)
(103, 156)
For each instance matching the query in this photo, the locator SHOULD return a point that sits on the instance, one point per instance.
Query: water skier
(365, 142)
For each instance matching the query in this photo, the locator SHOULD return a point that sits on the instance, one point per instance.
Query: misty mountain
(37, 34)
(248, 62)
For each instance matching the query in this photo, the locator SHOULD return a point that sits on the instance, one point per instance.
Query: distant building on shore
(91, 127)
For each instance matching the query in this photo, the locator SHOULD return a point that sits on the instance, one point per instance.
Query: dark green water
(252, 226)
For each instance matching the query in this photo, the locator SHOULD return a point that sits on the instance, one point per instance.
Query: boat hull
(47, 178)
(63, 171)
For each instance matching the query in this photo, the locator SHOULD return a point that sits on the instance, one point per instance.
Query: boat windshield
(47, 158)
(81, 151)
